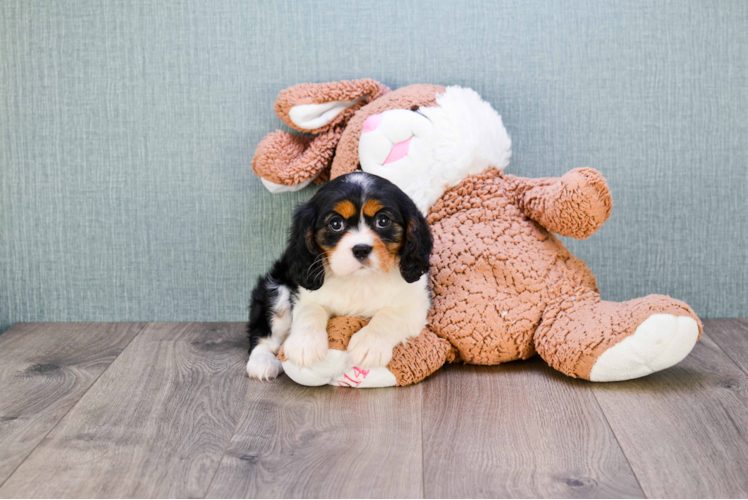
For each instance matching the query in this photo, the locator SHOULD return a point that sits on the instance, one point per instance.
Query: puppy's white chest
(361, 296)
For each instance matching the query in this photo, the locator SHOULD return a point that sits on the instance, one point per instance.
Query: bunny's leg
(585, 337)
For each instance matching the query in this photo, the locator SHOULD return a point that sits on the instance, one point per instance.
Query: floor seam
(228, 443)
(724, 351)
(423, 470)
(618, 442)
(73, 405)
(225, 449)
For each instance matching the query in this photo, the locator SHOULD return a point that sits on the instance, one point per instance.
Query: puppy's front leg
(372, 345)
(307, 342)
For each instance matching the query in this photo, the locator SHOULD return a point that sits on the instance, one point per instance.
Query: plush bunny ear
(317, 107)
(287, 162)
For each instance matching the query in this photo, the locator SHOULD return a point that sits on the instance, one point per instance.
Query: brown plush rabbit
(504, 287)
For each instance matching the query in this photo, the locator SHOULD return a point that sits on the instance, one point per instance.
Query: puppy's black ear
(302, 256)
(415, 252)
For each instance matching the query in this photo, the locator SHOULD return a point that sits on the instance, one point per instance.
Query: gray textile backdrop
(127, 130)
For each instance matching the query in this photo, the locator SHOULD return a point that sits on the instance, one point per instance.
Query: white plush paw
(363, 378)
(304, 348)
(263, 366)
(660, 342)
(370, 349)
(388, 137)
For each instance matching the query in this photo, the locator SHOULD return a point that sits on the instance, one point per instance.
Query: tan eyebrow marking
(345, 208)
(371, 208)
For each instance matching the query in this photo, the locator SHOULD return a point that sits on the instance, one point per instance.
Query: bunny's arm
(574, 205)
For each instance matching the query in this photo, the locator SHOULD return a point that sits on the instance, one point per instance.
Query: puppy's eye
(336, 224)
(382, 221)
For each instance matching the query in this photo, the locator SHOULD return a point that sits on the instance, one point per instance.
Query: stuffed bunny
(504, 287)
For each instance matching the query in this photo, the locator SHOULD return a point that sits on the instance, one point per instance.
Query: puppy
(359, 247)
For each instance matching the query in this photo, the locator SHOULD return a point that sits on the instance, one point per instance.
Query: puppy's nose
(361, 251)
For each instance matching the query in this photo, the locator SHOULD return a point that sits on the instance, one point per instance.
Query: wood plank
(518, 430)
(732, 336)
(45, 368)
(684, 429)
(324, 442)
(155, 424)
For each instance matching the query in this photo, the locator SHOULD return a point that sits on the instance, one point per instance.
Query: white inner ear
(281, 188)
(311, 116)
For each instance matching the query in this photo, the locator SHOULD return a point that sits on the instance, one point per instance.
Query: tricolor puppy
(359, 247)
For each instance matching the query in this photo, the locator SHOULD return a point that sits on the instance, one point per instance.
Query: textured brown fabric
(498, 276)
(419, 357)
(574, 205)
(411, 97)
(320, 93)
(578, 327)
(290, 159)
(411, 362)
(340, 330)
(503, 286)
(487, 271)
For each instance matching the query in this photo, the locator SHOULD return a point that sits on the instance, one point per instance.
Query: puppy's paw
(304, 348)
(369, 349)
(263, 366)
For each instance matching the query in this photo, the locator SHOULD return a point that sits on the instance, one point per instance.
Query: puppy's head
(358, 224)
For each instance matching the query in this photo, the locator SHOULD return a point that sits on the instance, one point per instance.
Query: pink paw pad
(399, 150)
(372, 123)
(359, 375)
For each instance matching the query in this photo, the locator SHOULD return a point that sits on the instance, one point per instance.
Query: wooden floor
(166, 410)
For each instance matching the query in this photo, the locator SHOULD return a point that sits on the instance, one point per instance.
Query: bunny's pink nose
(372, 122)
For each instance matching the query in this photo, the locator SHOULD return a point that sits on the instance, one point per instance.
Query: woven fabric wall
(127, 130)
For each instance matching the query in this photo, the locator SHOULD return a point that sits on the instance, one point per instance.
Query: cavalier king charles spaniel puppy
(358, 247)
